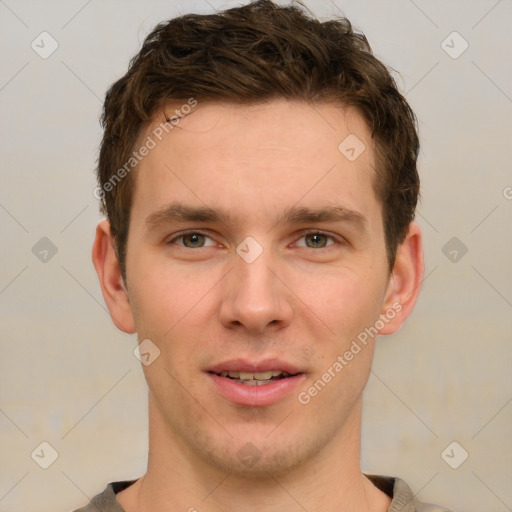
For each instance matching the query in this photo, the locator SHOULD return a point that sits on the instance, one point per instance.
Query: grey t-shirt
(403, 499)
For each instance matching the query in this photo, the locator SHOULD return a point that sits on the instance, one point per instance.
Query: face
(255, 260)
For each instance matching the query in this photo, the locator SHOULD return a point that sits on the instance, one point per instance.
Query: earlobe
(111, 282)
(405, 282)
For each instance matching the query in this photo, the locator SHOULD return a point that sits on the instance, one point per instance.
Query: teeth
(255, 382)
(249, 377)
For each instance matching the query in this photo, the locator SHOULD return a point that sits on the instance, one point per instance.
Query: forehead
(262, 155)
(296, 126)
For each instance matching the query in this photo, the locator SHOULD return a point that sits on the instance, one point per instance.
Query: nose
(256, 298)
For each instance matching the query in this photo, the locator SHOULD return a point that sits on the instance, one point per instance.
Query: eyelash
(304, 234)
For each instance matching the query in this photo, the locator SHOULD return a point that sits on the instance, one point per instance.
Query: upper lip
(244, 365)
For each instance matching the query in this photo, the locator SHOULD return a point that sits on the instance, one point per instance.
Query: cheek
(342, 359)
(170, 305)
(345, 301)
(167, 313)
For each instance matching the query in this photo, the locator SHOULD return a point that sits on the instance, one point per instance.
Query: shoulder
(403, 499)
(106, 501)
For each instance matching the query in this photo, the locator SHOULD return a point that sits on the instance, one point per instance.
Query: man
(258, 173)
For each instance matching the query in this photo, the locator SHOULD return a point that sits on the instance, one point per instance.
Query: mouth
(255, 384)
(255, 378)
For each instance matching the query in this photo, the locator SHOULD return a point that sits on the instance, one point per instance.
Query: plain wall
(69, 378)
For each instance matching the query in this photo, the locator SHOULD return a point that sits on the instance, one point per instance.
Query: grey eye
(317, 239)
(193, 240)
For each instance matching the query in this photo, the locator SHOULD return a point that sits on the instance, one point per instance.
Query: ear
(405, 281)
(112, 285)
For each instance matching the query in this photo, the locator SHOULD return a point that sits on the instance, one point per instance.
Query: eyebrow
(179, 212)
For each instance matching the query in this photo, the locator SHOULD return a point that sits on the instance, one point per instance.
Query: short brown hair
(255, 53)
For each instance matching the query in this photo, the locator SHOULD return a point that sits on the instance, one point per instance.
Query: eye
(192, 240)
(316, 240)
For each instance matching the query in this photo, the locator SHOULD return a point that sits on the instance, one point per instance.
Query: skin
(303, 300)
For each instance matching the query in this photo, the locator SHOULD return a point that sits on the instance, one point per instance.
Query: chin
(261, 459)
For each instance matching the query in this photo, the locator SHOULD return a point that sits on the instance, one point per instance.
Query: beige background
(69, 378)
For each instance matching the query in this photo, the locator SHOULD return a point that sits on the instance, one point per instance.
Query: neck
(178, 479)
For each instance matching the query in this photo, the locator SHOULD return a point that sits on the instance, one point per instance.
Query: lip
(255, 396)
(243, 365)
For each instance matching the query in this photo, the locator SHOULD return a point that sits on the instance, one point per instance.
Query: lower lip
(255, 396)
